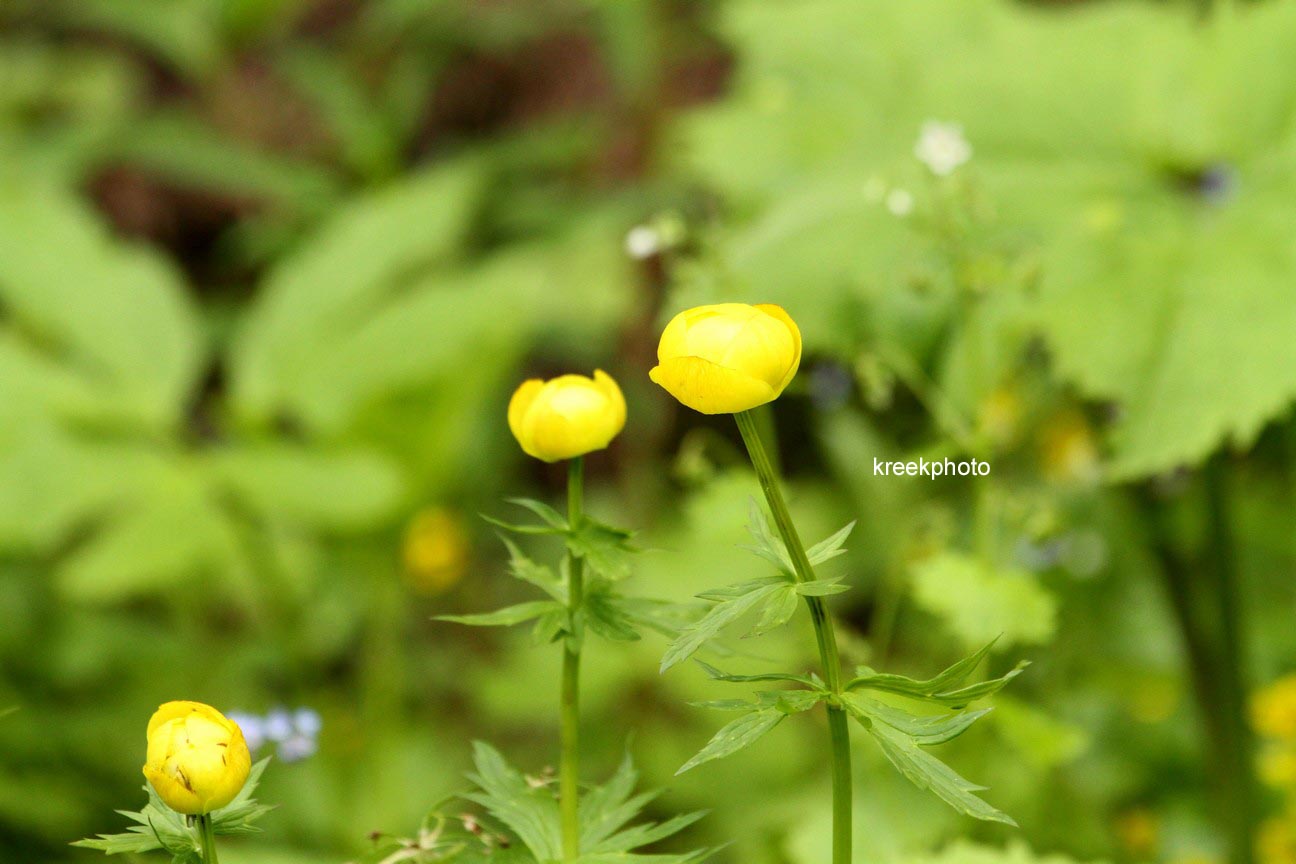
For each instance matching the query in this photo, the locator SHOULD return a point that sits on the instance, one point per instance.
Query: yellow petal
(616, 416)
(174, 710)
(710, 388)
(521, 402)
(794, 332)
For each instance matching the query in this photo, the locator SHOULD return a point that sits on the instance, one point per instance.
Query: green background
(270, 269)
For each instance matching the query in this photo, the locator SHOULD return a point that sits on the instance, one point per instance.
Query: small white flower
(942, 147)
(899, 202)
(643, 241)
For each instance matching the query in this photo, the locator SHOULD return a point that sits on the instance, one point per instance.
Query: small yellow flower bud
(197, 758)
(567, 416)
(729, 357)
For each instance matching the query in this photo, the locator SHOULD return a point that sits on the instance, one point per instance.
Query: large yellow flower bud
(729, 357)
(197, 758)
(566, 416)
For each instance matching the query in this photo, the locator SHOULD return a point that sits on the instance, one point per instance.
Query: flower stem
(208, 829)
(824, 635)
(569, 768)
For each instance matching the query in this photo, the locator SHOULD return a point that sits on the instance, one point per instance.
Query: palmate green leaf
(927, 772)
(109, 322)
(719, 616)
(531, 812)
(736, 735)
(1216, 294)
(980, 603)
(507, 616)
(333, 326)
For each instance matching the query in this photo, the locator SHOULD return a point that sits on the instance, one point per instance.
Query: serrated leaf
(507, 616)
(779, 609)
(716, 619)
(735, 736)
(531, 813)
(606, 549)
(927, 772)
(946, 679)
(662, 616)
(604, 616)
(942, 688)
(768, 545)
(547, 514)
(718, 675)
(821, 588)
(524, 568)
(923, 729)
(963, 695)
(830, 547)
(742, 588)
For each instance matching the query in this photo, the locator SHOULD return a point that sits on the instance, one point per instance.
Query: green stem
(569, 768)
(208, 829)
(1223, 573)
(824, 635)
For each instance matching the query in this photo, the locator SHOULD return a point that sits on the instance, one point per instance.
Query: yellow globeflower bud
(197, 758)
(729, 357)
(566, 416)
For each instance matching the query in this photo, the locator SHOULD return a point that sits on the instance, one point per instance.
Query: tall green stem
(208, 830)
(569, 768)
(824, 635)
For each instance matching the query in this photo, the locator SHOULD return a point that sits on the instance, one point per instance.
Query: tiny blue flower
(307, 721)
(252, 726)
(278, 725)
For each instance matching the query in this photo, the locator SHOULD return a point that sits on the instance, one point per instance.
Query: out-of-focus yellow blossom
(1069, 451)
(435, 551)
(566, 416)
(1275, 842)
(1273, 709)
(197, 759)
(1276, 766)
(999, 416)
(1139, 831)
(729, 357)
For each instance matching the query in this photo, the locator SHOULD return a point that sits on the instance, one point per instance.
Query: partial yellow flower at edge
(567, 416)
(197, 758)
(728, 357)
(1273, 709)
(435, 551)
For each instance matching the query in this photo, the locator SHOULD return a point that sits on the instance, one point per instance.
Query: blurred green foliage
(269, 270)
